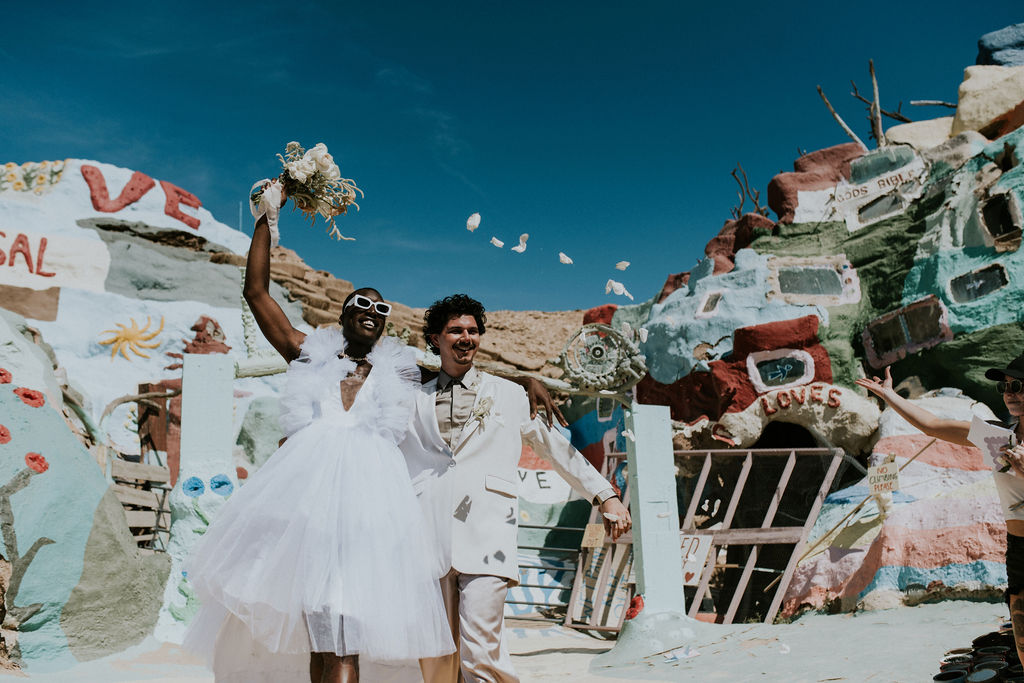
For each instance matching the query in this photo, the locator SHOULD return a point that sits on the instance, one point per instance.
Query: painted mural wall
(906, 256)
(107, 277)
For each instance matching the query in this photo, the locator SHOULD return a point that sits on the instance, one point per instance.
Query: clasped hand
(622, 522)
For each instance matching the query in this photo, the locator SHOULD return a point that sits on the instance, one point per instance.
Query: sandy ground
(901, 645)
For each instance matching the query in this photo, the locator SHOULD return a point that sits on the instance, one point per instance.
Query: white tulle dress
(324, 549)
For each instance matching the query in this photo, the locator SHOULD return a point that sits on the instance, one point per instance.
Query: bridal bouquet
(313, 182)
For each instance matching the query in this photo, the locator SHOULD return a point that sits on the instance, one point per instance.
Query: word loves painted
(21, 247)
(136, 187)
(783, 399)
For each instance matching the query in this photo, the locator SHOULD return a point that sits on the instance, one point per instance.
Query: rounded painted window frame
(756, 357)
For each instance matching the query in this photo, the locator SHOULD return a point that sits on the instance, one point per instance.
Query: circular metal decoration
(598, 358)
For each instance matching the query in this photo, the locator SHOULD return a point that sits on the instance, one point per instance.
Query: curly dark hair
(454, 306)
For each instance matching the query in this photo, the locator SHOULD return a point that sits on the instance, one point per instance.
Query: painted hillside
(906, 255)
(107, 278)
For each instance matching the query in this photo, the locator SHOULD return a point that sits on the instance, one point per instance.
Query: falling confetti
(618, 288)
(496, 242)
(564, 259)
(521, 247)
(622, 265)
(473, 222)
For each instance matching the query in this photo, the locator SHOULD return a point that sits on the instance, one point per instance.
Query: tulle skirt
(323, 550)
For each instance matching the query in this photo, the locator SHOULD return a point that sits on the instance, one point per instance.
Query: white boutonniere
(483, 410)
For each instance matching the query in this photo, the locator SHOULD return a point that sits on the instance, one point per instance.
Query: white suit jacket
(469, 493)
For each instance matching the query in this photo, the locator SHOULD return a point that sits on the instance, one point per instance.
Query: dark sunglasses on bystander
(1014, 386)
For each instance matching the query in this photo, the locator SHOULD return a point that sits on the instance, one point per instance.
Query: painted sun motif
(132, 338)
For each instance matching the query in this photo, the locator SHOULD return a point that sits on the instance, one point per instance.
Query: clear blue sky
(604, 130)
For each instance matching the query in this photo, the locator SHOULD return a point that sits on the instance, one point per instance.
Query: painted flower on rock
(5, 376)
(221, 485)
(31, 175)
(30, 397)
(36, 462)
(5, 435)
(193, 487)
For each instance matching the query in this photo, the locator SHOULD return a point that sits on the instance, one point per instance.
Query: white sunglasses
(365, 303)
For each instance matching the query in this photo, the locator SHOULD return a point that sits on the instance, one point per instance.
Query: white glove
(269, 205)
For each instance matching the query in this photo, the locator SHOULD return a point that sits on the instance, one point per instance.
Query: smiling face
(1014, 401)
(362, 326)
(457, 344)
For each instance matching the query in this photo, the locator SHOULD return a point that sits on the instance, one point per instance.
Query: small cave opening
(793, 509)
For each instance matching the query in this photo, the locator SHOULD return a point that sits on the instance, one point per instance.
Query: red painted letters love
(175, 196)
(136, 187)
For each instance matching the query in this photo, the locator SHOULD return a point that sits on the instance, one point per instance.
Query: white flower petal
(628, 434)
(618, 288)
(643, 335)
(564, 259)
(627, 331)
(521, 247)
(496, 242)
(473, 222)
(622, 265)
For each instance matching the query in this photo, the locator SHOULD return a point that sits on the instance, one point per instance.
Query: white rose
(323, 159)
(301, 169)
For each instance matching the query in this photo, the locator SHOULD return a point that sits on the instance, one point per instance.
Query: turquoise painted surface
(902, 578)
(675, 331)
(933, 274)
(58, 504)
(857, 493)
(953, 244)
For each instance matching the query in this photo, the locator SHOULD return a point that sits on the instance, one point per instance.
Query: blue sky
(604, 130)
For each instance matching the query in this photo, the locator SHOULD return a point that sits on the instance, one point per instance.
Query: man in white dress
(462, 453)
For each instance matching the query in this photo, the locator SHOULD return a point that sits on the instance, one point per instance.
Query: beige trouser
(476, 606)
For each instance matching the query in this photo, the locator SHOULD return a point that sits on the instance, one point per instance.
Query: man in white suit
(462, 454)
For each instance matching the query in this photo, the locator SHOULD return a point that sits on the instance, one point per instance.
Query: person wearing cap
(1009, 483)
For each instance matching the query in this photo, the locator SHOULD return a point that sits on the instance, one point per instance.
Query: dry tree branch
(170, 393)
(876, 110)
(932, 103)
(746, 191)
(891, 114)
(839, 120)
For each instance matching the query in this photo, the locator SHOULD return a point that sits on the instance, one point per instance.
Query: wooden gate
(724, 534)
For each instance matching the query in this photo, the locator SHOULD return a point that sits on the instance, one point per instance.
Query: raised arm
(577, 471)
(954, 431)
(272, 321)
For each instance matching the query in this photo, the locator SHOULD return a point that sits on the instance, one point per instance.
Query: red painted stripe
(529, 460)
(894, 546)
(939, 454)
